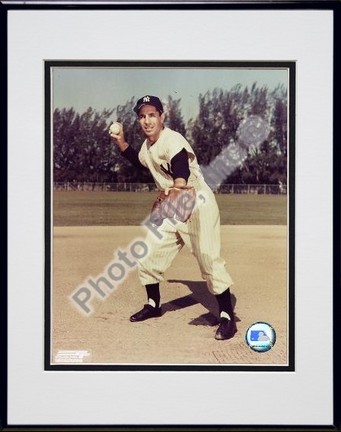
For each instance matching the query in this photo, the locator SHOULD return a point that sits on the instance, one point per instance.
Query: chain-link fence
(106, 187)
(264, 189)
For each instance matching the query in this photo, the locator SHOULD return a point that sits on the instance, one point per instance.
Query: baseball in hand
(115, 128)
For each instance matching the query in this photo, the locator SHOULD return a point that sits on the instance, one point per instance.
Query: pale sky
(107, 87)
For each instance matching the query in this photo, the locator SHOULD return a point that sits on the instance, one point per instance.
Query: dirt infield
(256, 257)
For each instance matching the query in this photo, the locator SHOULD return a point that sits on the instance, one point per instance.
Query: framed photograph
(176, 167)
(236, 117)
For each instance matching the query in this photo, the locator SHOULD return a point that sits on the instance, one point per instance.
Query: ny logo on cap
(146, 99)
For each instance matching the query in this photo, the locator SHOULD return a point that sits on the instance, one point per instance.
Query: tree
(259, 101)
(84, 151)
(209, 128)
(216, 128)
(174, 119)
(220, 113)
(82, 147)
(279, 119)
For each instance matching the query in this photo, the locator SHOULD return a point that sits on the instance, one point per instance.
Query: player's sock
(151, 302)
(153, 294)
(225, 304)
(224, 314)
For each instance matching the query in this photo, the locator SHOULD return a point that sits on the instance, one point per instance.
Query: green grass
(131, 208)
(243, 209)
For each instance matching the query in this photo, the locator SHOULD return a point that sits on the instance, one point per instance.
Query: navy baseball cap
(149, 100)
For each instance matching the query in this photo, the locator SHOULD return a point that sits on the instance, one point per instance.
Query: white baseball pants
(201, 234)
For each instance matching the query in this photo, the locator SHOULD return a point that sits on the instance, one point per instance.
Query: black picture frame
(292, 5)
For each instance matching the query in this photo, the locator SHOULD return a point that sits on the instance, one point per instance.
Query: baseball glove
(178, 205)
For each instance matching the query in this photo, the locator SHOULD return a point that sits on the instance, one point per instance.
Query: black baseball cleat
(147, 312)
(226, 330)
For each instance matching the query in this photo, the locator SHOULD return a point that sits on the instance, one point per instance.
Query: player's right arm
(132, 156)
(126, 150)
(120, 140)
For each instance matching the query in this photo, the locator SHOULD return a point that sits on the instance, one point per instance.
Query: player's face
(151, 122)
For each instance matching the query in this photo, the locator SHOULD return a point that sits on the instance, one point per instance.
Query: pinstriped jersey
(157, 158)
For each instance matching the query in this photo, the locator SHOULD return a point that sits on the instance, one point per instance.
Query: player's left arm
(180, 168)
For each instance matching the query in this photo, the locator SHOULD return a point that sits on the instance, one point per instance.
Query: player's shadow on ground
(200, 294)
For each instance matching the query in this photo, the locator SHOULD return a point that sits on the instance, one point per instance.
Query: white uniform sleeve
(175, 143)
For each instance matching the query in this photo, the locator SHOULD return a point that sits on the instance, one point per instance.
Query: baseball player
(172, 162)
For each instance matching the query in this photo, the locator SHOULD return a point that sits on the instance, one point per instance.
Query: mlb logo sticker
(260, 337)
